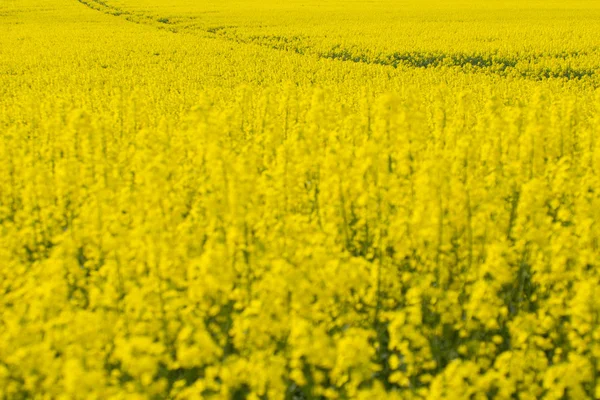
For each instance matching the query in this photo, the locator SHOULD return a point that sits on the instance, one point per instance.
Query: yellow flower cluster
(299, 200)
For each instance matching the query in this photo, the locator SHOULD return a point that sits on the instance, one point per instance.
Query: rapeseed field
(302, 199)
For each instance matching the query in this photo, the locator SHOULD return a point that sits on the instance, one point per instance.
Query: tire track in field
(475, 63)
(137, 18)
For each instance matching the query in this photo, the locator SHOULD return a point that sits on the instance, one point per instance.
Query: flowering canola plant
(300, 200)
